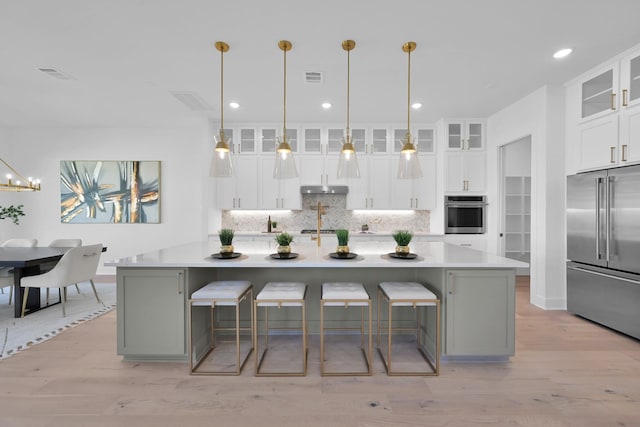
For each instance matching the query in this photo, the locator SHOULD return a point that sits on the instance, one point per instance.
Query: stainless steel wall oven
(465, 214)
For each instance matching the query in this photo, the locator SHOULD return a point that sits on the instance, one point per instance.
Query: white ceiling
(127, 56)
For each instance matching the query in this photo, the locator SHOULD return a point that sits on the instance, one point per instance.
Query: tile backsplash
(335, 216)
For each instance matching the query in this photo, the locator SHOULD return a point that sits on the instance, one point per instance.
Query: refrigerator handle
(608, 195)
(598, 185)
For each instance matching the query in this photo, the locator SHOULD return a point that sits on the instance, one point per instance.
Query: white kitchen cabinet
(424, 140)
(320, 170)
(608, 122)
(278, 193)
(373, 189)
(269, 139)
(465, 172)
(379, 141)
(241, 190)
(245, 141)
(415, 193)
(465, 135)
(471, 241)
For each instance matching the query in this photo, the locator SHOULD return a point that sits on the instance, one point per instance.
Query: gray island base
(476, 289)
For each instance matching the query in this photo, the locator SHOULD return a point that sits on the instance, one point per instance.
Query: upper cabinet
(465, 135)
(278, 193)
(466, 172)
(269, 139)
(424, 140)
(608, 116)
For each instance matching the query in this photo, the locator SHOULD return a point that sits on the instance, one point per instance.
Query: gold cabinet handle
(180, 283)
(613, 154)
(624, 98)
(613, 101)
(624, 152)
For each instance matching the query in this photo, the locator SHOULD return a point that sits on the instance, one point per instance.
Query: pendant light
(348, 163)
(409, 167)
(285, 166)
(221, 166)
(11, 185)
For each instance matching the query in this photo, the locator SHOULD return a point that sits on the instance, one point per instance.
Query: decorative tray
(232, 255)
(291, 255)
(350, 255)
(403, 256)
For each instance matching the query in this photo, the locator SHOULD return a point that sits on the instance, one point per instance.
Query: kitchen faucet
(320, 210)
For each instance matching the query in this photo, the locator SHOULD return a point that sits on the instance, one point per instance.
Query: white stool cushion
(281, 294)
(345, 292)
(213, 292)
(407, 291)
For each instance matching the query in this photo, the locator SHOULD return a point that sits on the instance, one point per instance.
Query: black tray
(403, 256)
(291, 255)
(350, 255)
(226, 255)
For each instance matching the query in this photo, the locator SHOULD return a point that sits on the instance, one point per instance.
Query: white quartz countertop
(369, 255)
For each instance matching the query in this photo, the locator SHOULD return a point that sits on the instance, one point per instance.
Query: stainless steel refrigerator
(603, 247)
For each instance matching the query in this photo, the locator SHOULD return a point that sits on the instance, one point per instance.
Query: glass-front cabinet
(269, 139)
(599, 93)
(465, 135)
(423, 138)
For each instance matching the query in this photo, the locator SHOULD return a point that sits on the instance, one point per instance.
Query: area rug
(17, 334)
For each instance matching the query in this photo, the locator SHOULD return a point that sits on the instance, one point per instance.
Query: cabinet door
(358, 196)
(379, 142)
(599, 93)
(598, 142)
(455, 178)
(474, 138)
(246, 185)
(455, 136)
(311, 170)
(475, 171)
(480, 313)
(269, 191)
(630, 80)
(425, 188)
(312, 142)
(151, 312)
(380, 182)
(630, 135)
(247, 143)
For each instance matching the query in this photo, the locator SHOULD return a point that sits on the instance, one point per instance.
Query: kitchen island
(477, 291)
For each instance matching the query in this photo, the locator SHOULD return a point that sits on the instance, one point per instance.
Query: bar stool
(408, 294)
(280, 294)
(217, 294)
(346, 294)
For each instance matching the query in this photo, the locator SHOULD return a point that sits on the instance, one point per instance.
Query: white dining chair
(6, 277)
(77, 265)
(62, 243)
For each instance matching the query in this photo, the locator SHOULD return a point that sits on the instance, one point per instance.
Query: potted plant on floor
(402, 238)
(284, 241)
(226, 240)
(343, 241)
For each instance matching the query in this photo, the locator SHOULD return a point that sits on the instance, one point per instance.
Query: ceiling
(125, 58)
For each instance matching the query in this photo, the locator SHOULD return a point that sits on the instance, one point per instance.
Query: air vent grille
(192, 101)
(314, 77)
(55, 73)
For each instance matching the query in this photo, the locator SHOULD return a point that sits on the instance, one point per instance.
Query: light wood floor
(566, 372)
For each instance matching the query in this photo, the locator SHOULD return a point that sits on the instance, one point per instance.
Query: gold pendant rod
(284, 45)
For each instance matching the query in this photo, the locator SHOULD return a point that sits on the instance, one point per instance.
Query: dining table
(29, 262)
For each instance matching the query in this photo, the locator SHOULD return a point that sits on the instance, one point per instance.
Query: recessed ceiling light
(562, 53)
(234, 105)
(416, 105)
(326, 105)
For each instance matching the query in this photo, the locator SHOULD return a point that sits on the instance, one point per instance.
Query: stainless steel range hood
(324, 189)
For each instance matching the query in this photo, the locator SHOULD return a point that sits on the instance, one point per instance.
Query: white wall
(518, 157)
(184, 154)
(541, 115)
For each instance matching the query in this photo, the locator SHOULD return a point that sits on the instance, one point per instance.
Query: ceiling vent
(56, 74)
(313, 77)
(192, 100)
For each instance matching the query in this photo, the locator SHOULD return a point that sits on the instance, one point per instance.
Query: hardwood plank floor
(566, 372)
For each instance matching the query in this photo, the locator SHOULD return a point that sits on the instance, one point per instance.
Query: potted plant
(284, 241)
(12, 212)
(226, 240)
(274, 224)
(402, 238)
(343, 241)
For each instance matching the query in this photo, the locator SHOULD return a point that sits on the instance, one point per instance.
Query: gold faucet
(320, 210)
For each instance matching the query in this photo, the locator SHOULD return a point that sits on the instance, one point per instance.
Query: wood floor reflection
(566, 372)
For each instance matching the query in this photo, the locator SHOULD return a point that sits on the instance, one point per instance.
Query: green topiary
(226, 236)
(284, 239)
(343, 237)
(402, 237)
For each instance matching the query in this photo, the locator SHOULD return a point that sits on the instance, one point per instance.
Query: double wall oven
(465, 214)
